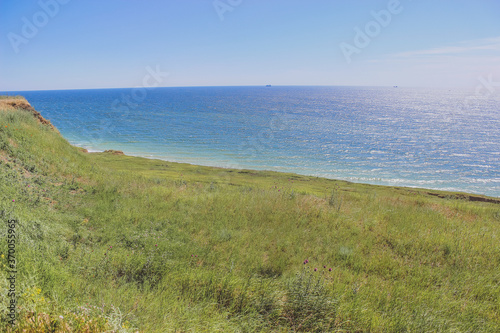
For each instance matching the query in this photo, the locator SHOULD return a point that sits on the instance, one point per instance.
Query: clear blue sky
(110, 43)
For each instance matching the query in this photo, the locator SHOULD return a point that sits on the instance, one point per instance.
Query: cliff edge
(19, 102)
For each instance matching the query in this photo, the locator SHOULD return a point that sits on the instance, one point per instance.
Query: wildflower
(3, 256)
(61, 317)
(329, 269)
(315, 269)
(156, 245)
(324, 266)
(13, 200)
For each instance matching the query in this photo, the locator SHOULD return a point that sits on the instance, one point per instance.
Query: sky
(86, 44)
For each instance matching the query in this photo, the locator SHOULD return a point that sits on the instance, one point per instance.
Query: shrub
(308, 305)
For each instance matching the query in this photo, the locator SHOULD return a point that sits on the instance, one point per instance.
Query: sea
(445, 139)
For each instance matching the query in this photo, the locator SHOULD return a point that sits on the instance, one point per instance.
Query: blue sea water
(432, 138)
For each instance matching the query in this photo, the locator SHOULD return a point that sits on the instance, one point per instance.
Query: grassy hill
(125, 244)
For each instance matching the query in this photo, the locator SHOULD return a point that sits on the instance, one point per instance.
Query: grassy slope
(162, 246)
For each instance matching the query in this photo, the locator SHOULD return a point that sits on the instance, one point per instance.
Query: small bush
(335, 199)
(308, 306)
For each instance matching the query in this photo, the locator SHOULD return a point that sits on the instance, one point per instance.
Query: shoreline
(374, 181)
(443, 194)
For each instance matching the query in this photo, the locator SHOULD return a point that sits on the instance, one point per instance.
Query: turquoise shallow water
(432, 138)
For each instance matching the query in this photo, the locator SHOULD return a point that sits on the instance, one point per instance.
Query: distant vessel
(395, 86)
(268, 85)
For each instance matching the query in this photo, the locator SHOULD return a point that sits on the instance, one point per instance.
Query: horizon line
(237, 86)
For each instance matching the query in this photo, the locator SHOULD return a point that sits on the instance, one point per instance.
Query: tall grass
(124, 244)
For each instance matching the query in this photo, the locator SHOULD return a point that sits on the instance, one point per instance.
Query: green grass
(12, 97)
(138, 244)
